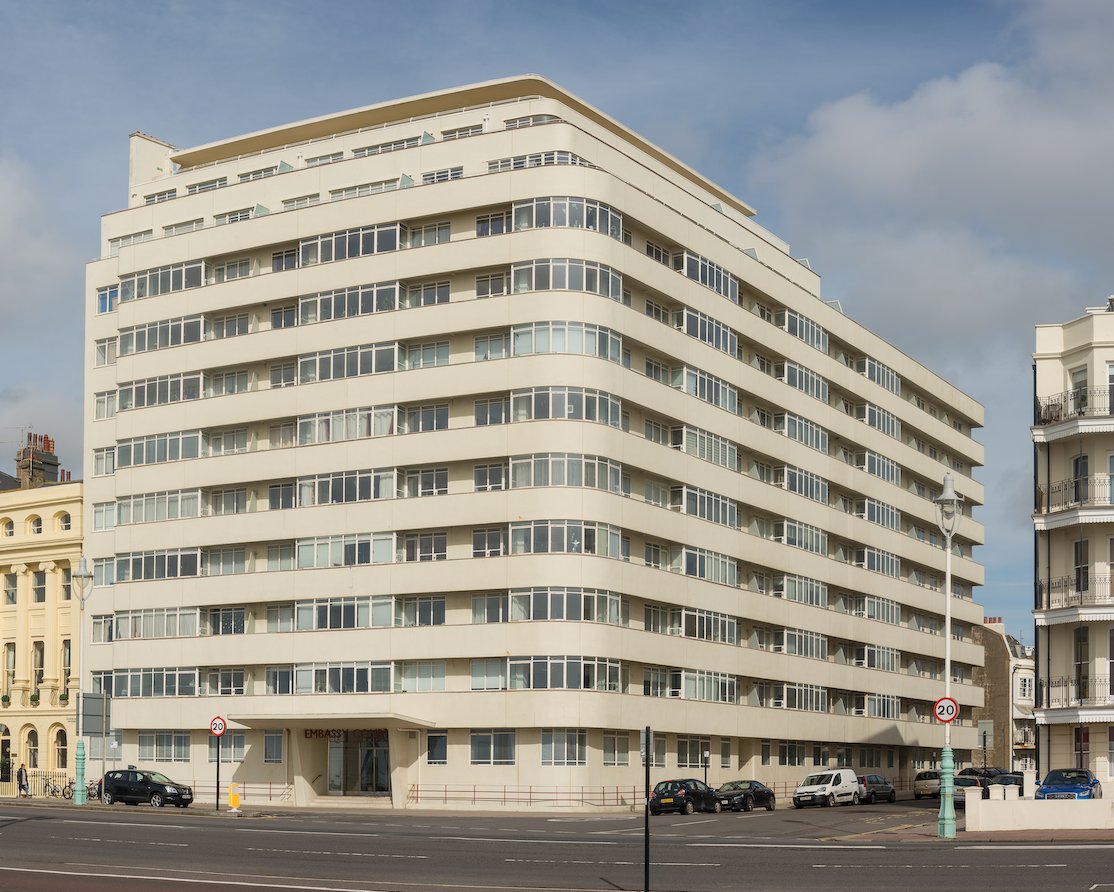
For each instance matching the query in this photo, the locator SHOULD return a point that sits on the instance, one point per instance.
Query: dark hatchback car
(684, 796)
(875, 788)
(132, 786)
(744, 795)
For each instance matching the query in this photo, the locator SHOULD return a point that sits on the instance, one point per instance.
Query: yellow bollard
(234, 798)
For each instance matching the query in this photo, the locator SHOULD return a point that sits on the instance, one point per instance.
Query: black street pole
(218, 774)
(646, 817)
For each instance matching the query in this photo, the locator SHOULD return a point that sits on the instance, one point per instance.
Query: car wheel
(107, 798)
(830, 801)
(893, 796)
(748, 804)
(655, 812)
(688, 808)
(717, 807)
(156, 800)
(772, 804)
(854, 798)
(871, 800)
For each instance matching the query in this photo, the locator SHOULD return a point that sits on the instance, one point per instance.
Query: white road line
(180, 845)
(136, 824)
(195, 880)
(771, 845)
(614, 863)
(349, 854)
(537, 842)
(228, 829)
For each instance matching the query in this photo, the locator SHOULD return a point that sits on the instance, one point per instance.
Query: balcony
(1083, 402)
(1095, 491)
(1081, 589)
(1071, 692)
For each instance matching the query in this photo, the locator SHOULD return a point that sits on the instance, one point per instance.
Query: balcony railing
(1079, 403)
(1078, 590)
(1071, 691)
(1077, 492)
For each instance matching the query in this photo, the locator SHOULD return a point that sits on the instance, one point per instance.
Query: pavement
(921, 832)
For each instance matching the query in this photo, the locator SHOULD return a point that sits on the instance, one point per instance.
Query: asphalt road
(56, 847)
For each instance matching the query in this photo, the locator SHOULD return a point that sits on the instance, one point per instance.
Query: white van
(827, 788)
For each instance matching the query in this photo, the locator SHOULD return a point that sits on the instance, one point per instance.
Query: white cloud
(954, 219)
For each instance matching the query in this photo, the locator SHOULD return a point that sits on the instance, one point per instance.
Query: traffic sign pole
(217, 727)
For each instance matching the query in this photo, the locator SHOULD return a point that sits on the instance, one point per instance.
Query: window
(725, 752)
(492, 285)
(7, 529)
(493, 224)
(489, 674)
(284, 374)
(164, 746)
(107, 299)
(272, 747)
(60, 750)
(420, 676)
(363, 189)
(442, 176)
(616, 748)
(38, 586)
(206, 185)
(491, 347)
(226, 272)
(530, 121)
(185, 226)
(36, 526)
(67, 584)
(490, 542)
(423, 546)
(430, 234)
(32, 749)
(437, 748)
(284, 260)
(538, 159)
(564, 746)
(463, 132)
(236, 216)
(426, 294)
(319, 160)
(159, 197)
(225, 682)
(231, 746)
(302, 201)
(489, 478)
(226, 621)
(691, 750)
(259, 174)
(493, 411)
(396, 145)
(105, 352)
(161, 280)
(493, 747)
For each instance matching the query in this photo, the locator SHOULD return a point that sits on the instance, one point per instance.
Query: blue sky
(944, 166)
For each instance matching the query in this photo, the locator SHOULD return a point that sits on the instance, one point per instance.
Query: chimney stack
(36, 464)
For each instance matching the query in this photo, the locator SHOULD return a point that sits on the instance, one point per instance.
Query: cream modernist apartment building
(454, 440)
(1074, 523)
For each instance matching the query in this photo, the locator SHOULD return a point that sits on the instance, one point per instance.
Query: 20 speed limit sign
(946, 710)
(217, 726)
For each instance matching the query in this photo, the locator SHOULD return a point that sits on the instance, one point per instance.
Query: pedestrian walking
(21, 781)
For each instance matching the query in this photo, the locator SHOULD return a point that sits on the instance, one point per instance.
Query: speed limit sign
(946, 710)
(217, 726)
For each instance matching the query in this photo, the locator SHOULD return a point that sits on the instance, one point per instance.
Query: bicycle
(92, 791)
(67, 791)
(50, 788)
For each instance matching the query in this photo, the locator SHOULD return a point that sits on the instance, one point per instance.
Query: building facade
(452, 441)
(1005, 724)
(40, 546)
(1074, 530)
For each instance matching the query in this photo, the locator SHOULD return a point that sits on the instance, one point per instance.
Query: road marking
(539, 842)
(615, 863)
(933, 866)
(180, 845)
(136, 824)
(351, 854)
(690, 823)
(194, 880)
(771, 845)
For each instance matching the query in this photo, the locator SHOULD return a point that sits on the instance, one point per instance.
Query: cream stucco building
(1074, 522)
(444, 444)
(40, 546)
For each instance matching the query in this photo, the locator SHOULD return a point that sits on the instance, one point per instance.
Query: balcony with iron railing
(1083, 402)
(1081, 589)
(1074, 692)
(1094, 491)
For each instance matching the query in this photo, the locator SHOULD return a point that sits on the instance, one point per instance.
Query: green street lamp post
(947, 516)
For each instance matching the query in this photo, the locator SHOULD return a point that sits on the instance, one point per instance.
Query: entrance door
(360, 763)
(5, 756)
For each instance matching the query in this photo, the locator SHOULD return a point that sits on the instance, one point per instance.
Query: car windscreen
(928, 775)
(158, 778)
(1067, 776)
(816, 780)
(732, 786)
(966, 782)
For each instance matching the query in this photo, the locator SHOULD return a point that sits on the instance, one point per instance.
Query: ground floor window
(1082, 747)
(616, 748)
(725, 752)
(493, 747)
(437, 748)
(691, 751)
(564, 746)
(32, 749)
(60, 750)
(164, 746)
(231, 747)
(790, 752)
(272, 747)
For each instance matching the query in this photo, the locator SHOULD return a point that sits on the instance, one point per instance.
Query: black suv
(132, 786)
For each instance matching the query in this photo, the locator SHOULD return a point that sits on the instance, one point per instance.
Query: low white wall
(1037, 814)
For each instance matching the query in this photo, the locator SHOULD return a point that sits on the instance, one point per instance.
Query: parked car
(1009, 780)
(1069, 783)
(988, 773)
(926, 783)
(963, 783)
(875, 787)
(134, 786)
(827, 788)
(744, 795)
(684, 796)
